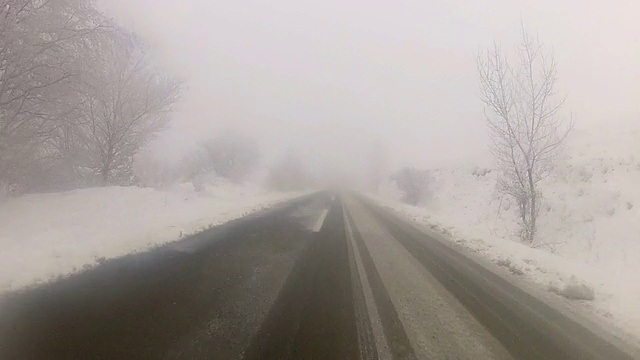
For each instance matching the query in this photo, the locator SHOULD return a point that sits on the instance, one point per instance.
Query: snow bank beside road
(554, 273)
(43, 236)
(589, 228)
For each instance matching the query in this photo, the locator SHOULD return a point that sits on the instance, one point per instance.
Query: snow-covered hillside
(43, 236)
(590, 220)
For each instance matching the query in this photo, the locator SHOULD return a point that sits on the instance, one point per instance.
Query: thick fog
(137, 136)
(330, 79)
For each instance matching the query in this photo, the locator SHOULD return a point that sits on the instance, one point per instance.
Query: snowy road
(323, 278)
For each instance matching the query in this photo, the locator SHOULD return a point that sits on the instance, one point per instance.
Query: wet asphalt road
(290, 283)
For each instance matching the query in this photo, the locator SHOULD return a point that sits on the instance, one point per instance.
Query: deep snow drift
(43, 236)
(589, 223)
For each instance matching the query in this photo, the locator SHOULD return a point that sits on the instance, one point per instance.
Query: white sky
(329, 77)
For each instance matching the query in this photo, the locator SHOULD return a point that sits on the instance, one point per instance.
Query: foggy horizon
(330, 79)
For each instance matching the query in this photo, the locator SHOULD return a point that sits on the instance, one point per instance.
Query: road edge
(601, 329)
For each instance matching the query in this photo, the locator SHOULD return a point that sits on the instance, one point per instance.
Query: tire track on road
(163, 304)
(394, 332)
(313, 316)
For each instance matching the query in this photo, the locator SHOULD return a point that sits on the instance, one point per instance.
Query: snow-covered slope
(590, 220)
(43, 236)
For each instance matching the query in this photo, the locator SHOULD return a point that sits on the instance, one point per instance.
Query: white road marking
(382, 346)
(320, 221)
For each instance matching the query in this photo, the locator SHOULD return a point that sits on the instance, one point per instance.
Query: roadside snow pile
(589, 245)
(43, 236)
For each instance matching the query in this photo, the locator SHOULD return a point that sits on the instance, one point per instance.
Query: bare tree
(36, 42)
(78, 96)
(526, 127)
(126, 101)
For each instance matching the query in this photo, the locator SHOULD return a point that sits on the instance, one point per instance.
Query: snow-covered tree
(125, 102)
(37, 45)
(78, 96)
(526, 127)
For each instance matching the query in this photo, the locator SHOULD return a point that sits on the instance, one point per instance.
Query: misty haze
(191, 179)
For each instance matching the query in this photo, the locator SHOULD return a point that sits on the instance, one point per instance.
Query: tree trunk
(105, 172)
(105, 176)
(532, 207)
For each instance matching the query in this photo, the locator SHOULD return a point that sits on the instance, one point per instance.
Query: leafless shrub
(479, 172)
(549, 246)
(232, 156)
(413, 183)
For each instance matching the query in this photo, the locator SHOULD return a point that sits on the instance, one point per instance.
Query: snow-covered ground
(44, 236)
(589, 225)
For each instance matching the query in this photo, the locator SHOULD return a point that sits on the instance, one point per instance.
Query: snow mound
(573, 290)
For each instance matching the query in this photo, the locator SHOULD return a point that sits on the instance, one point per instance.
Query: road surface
(325, 277)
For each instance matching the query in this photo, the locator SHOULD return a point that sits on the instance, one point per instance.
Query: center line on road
(320, 221)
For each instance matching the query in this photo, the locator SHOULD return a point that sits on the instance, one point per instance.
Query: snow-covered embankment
(44, 236)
